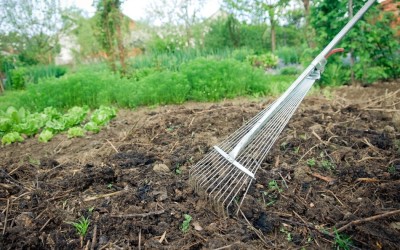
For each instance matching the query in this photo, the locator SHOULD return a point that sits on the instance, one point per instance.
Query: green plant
(289, 71)
(392, 169)
(296, 150)
(81, 227)
(46, 135)
(91, 209)
(311, 162)
(178, 170)
(273, 185)
(11, 138)
(327, 165)
(263, 61)
(288, 234)
(184, 227)
(92, 127)
(342, 241)
(76, 132)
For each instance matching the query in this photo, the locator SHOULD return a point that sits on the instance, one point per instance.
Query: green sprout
(342, 241)
(392, 169)
(273, 185)
(311, 162)
(178, 170)
(186, 223)
(81, 227)
(327, 165)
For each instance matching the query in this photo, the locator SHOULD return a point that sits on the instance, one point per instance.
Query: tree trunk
(273, 37)
(308, 31)
(121, 48)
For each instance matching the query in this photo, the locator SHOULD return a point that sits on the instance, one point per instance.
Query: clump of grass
(342, 241)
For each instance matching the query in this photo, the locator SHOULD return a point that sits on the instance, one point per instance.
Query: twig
(116, 150)
(103, 196)
(228, 246)
(375, 217)
(137, 215)
(140, 239)
(94, 238)
(45, 224)
(324, 178)
(283, 179)
(87, 245)
(259, 234)
(336, 197)
(383, 110)
(163, 237)
(5, 219)
(305, 223)
(308, 152)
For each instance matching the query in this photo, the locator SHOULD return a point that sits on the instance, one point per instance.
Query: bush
(290, 71)
(17, 77)
(263, 61)
(289, 55)
(212, 79)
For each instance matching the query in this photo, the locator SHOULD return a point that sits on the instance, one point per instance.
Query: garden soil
(333, 174)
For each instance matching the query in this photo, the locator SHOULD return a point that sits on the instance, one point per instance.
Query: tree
(177, 18)
(372, 39)
(109, 23)
(37, 24)
(261, 10)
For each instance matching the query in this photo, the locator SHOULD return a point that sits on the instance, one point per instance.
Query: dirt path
(336, 165)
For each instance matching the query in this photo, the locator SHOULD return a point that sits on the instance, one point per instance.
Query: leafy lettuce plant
(76, 132)
(46, 135)
(11, 137)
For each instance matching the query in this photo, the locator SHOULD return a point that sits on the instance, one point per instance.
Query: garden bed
(334, 172)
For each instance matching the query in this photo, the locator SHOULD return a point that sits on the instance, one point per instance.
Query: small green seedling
(288, 234)
(273, 185)
(327, 165)
(81, 227)
(178, 170)
(296, 150)
(186, 223)
(110, 185)
(342, 241)
(91, 209)
(392, 169)
(311, 162)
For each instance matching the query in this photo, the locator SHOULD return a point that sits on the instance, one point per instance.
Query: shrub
(290, 71)
(263, 61)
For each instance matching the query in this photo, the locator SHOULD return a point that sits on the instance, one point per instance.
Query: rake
(226, 173)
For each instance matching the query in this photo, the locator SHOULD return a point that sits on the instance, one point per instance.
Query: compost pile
(334, 173)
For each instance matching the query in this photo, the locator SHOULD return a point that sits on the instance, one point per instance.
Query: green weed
(392, 169)
(342, 241)
(186, 223)
(273, 185)
(81, 227)
(327, 165)
(311, 162)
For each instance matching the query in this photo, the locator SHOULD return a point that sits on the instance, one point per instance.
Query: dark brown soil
(337, 162)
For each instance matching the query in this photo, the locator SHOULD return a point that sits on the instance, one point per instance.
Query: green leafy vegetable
(76, 132)
(92, 126)
(46, 135)
(103, 115)
(11, 137)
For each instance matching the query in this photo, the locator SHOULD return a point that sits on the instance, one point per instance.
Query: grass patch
(201, 79)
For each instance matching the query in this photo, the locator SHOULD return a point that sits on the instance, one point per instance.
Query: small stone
(259, 186)
(197, 226)
(312, 204)
(161, 168)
